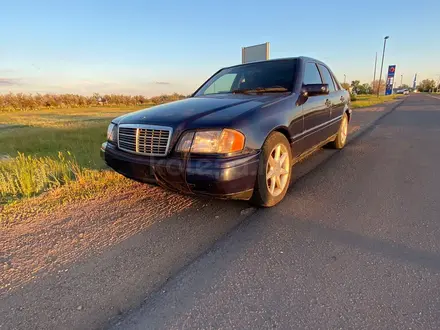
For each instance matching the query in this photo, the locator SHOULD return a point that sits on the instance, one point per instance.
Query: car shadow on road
(426, 119)
(386, 249)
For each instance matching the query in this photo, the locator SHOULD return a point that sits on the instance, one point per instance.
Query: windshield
(261, 77)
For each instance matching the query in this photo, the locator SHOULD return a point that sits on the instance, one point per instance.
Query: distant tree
(375, 85)
(404, 86)
(426, 85)
(364, 89)
(3, 103)
(355, 85)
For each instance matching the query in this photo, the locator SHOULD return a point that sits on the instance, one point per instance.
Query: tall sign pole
(375, 64)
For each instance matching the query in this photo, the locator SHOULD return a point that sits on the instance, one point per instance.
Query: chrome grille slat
(144, 139)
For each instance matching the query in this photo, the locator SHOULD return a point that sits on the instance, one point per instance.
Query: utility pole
(381, 66)
(344, 78)
(401, 79)
(375, 64)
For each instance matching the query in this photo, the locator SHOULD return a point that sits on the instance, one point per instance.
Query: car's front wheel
(274, 171)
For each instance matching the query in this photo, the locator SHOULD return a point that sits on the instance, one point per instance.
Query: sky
(153, 47)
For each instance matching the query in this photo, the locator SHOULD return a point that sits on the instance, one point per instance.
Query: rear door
(335, 96)
(316, 109)
(342, 97)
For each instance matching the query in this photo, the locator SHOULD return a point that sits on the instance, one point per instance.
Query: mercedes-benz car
(239, 135)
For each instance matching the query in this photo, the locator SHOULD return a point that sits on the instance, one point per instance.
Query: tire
(341, 136)
(275, 159)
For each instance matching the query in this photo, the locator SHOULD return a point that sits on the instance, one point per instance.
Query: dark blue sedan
(239, 135)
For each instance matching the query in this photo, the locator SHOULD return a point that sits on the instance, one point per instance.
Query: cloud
(162, 83)
(9, 82)
(3, 71)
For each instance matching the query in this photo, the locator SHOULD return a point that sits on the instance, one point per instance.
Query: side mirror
(315, 89)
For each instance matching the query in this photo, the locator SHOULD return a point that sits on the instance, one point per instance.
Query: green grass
(369, 100)
(45, 133)
(42, 150)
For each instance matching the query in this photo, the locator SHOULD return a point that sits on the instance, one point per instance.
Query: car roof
(301, 58)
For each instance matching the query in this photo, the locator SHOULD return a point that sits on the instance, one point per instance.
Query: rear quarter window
(327, 77)
(337, 85)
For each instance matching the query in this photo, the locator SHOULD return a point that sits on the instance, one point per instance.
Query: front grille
(144, 139)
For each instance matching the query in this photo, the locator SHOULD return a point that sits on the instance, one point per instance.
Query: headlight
(213, 142)
(112, 133)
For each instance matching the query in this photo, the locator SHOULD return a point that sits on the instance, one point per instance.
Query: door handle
(328, 103)
(342, 99)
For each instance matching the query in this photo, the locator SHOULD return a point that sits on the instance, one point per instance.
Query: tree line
(426, 85)
(24, 102)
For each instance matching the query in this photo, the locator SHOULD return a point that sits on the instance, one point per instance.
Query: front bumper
(218, 177)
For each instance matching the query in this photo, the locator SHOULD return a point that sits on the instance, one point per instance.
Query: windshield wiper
(261, 90)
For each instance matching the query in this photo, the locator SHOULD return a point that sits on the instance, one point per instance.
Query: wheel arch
(283, 130)
(348, 111)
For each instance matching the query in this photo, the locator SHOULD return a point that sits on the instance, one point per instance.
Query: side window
(311, 74)
(222, 84)
(327, 77)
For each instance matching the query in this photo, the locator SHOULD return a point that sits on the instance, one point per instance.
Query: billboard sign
(390, 80)
(255, 53)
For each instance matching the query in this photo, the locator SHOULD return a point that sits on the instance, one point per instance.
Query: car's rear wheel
(341, 136)
(274, 171)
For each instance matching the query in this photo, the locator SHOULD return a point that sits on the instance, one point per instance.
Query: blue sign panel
(390, 80)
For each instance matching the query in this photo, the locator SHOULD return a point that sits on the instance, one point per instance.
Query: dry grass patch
(90, 184)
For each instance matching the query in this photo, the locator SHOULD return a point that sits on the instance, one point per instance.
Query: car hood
(207, 111)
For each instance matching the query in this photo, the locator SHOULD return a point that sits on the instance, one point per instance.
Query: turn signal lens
(230, 141)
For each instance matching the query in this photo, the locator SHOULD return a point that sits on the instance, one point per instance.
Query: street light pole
(344, 78)
(375, 64)
(381, 66)
(401, 79)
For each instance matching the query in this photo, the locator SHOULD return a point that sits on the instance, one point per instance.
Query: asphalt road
(355, 244)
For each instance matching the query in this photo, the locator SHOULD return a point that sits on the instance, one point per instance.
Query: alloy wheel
(277, 170)
(344, 129)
